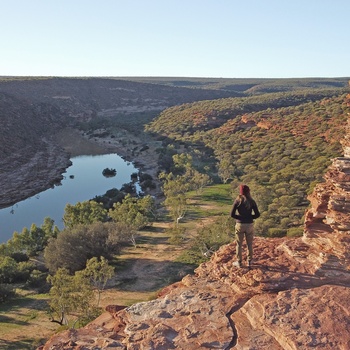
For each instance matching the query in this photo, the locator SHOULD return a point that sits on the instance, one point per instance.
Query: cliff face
(29, 160)
(331, 199)
(296, 296)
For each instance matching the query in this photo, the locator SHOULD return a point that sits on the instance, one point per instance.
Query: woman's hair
(244, 190)
(245, 197)
(246, 200)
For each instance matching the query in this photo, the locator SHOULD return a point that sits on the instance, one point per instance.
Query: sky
(175, 38)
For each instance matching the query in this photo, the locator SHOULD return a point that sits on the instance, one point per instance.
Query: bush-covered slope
(280, 147)
(247, 86)
(177, 121)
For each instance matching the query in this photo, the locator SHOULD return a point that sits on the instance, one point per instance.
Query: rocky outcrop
(330, 201)
(295, 296)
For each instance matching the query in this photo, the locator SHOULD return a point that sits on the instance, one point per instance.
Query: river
(82, 181)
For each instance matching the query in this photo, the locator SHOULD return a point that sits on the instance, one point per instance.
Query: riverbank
(141, 150)
(27, 172)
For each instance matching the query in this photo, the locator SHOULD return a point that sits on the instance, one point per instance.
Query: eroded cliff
(296, 296)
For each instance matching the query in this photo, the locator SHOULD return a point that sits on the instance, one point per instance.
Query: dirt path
(149, 267)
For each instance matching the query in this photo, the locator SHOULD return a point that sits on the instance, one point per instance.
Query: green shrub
(209, 239)
(276, 232)
(24, 270)
(74, 246)
(8, 269)
(295, 232)
(177, 235)
(36, 279)
(6, 292)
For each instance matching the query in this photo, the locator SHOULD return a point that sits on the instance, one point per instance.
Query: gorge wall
(33, 110)
(296, 296)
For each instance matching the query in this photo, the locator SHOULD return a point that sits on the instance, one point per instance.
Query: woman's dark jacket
(245, 212)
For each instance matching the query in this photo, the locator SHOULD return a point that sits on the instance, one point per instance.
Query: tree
(30, 242)
(133, 214)
(225, 169)
(178, 207)
(8, 269)
(84, 213)
(148, 206)
(209, 238)
(175, 188)
(199, 181)
(132, 211)
(74, 246)
(182, 162)
(37, 238)
(49, 228)
(98, 272)
(71, 298)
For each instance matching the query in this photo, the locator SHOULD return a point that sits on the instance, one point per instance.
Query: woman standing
(247, 210)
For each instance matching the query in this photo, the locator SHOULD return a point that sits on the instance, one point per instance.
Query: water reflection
(82, 181)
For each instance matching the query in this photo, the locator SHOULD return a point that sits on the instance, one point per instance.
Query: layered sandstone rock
(295, 297)
(331, 199)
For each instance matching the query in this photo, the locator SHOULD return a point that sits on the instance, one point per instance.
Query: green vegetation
(180, 122)
(176, 184)
(109, 172)
(84, 213)
(279, 143)
(72, 301)
(247, 86)
(86, 235)
(135, 212)
(209, 238)
(74, 246)
(281, 152)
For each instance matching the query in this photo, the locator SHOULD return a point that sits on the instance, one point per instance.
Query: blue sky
(182, 38)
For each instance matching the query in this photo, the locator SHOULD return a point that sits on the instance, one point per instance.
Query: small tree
(175, 188)
(226, 169)
(209, 239)
(8, 269)
(71, 298)
(98, 272)
(132, 211)
(84, 213)
(199, 180)
(178, 207)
